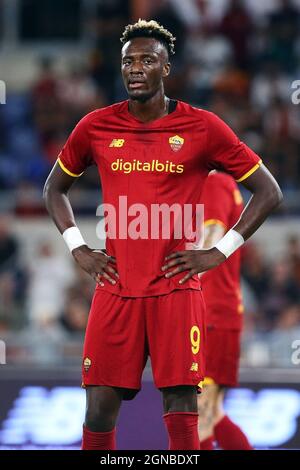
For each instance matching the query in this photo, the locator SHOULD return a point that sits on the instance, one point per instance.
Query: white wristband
(231, 241)
(73, 238)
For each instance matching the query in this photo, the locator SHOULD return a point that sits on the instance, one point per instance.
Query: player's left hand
(193, 261)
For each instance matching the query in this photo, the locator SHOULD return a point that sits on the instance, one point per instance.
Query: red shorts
(222, 356)
(122, 332)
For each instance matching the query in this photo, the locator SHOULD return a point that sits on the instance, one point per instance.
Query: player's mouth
(136, 84)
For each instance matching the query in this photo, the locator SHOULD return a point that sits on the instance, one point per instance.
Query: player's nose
(136, 68)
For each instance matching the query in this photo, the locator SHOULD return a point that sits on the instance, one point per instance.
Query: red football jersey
(223, 204)
(165, 161)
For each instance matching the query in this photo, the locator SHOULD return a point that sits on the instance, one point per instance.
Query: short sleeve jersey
(143, 166)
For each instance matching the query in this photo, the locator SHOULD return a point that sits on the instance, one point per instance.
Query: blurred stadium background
(59, 59)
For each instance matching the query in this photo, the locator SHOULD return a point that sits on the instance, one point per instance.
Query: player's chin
(138, 95)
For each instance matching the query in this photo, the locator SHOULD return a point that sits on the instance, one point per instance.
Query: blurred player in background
(152, 150)
(223, 206)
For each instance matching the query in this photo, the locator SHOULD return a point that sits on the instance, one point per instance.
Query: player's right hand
(96, 263)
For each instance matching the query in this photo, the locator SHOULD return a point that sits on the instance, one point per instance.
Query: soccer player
(150, 151)
(223, 206)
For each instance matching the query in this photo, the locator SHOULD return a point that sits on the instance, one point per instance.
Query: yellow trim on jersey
(250, 172)
(66, 169)
(214, 222)
(206, 381)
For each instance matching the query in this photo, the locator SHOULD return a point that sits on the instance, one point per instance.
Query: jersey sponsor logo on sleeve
(176, 142)
(117, 143)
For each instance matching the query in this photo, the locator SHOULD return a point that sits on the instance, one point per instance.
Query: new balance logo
(117, 143)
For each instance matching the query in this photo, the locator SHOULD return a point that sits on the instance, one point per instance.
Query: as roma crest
(87, 364)
(176, 142)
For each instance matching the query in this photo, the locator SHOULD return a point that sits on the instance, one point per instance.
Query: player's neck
(149, 110)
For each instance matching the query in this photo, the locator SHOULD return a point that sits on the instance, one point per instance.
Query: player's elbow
(46, 191)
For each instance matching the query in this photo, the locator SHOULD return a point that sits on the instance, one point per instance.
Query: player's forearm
(59, 208)
(260, 206)
(55, 194)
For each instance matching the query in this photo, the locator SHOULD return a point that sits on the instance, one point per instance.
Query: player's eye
(126, 62)
(147, 60)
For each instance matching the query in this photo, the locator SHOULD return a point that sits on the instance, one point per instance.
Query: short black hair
(149, 29)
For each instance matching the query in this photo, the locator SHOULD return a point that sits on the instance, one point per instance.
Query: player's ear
(166, 69)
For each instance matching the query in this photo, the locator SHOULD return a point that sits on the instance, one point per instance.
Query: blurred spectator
(12, 286)
(207, 56)
(289, 318)
(283, 122)
(165, 13)
(293, 248)
(50, 276)
(237, 27)
(269, 84)
(282, 292)
(75, 315)
(78, 300)
(9, 308)
(28, 200)
(45, 87)
(233, 82)
(255, 270)
(59, 103)
(275, 285)
(50, 117)
(83, 285)
(293, 255)
(283, 32)
(8, 246)
(78, 93)
(110, 19)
